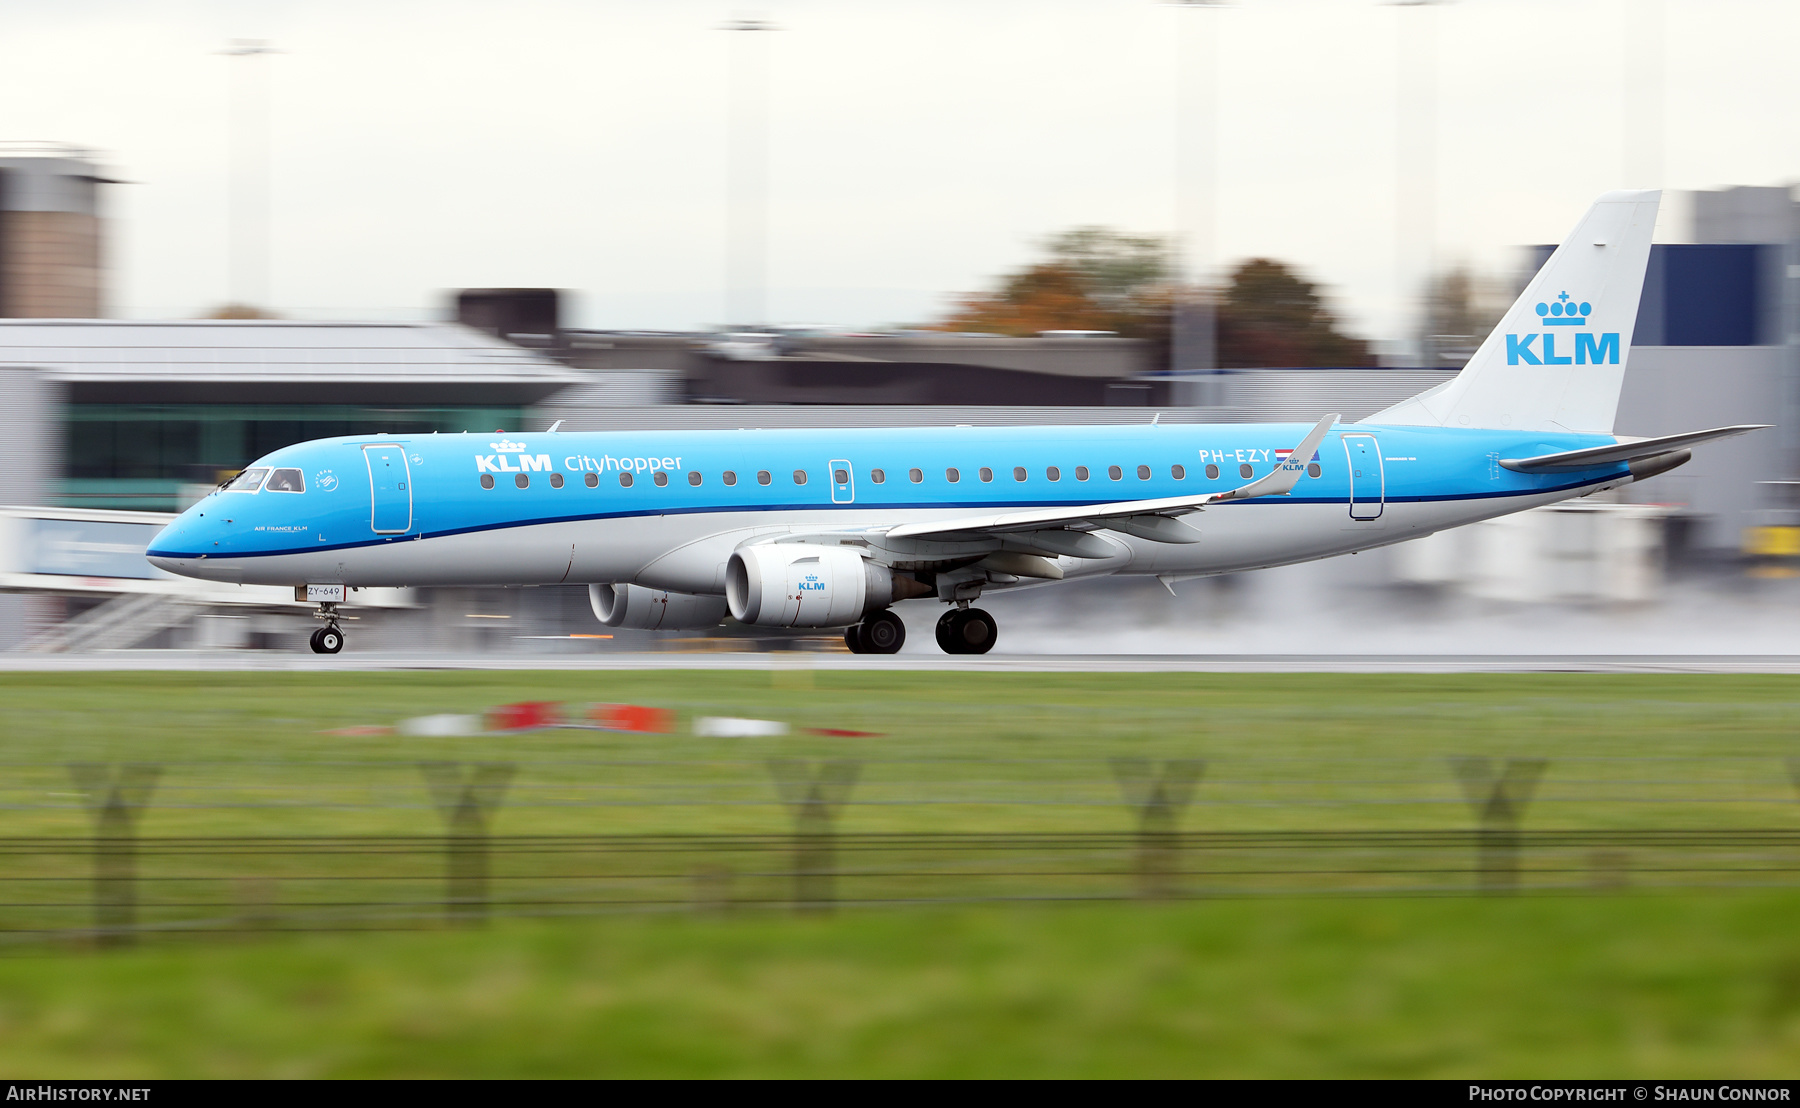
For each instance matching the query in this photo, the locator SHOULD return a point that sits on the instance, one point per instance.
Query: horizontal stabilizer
(1624, 451)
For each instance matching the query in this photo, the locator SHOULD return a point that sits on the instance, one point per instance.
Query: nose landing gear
(328, 639)
(967, 631)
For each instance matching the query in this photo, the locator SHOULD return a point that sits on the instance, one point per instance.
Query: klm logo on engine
(1540, 349)
(811, 584)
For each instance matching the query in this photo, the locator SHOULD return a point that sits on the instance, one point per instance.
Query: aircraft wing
(1625, 451)
(1148, 519)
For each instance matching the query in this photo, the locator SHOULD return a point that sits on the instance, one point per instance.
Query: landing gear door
(1368, 484)
(390, 489)
(843, 482)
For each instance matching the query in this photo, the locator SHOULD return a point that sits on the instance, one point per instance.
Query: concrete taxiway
(258, 660)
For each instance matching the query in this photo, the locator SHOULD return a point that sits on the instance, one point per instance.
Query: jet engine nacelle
(654, 609)
(801, 585)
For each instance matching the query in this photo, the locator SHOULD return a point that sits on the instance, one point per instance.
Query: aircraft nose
(177, 544)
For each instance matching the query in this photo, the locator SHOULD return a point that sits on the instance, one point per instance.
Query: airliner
(834, 528)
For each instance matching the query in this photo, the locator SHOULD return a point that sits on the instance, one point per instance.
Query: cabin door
(843, 482)
(1368, 485)
(390, 489)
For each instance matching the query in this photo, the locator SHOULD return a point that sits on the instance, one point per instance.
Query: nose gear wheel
(328, 639)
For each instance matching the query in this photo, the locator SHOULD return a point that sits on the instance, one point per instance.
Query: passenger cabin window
(915, 475)
(1081, 473)
(285, 480)
(1245, 470)
(1018, 473)
(987, 474)
(592, 480)
(1114, 472)
(694, 477)
(762, 477)
(247, 481)
(799, 477)
(1178, 472)
(879, 476)
(1312, 469)
(487, 480)
(952, 475)
(556, 480)
(730, 477)
(841, 476)
(1143, 473)
(522, 481)
(1212, 473)
(625, 480)
(1051, 473)
(660, 478)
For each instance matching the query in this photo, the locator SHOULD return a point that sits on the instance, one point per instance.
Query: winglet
(1287, 474)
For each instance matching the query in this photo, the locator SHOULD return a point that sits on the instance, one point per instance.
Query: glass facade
(156, 457)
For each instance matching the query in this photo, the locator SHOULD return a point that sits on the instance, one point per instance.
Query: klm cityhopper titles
(833, 528)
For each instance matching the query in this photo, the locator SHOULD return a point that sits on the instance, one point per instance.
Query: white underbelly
(688, 552)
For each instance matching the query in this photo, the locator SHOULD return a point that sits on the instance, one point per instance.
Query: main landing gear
(879, 633)
(328, 639)
(967, 631)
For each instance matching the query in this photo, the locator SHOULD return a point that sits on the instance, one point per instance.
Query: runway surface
(257, 660)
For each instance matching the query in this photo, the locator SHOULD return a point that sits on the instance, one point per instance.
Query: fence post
(1159, 796)
(467, 803)
(814, 799)
(115, 801)
(1499, 797)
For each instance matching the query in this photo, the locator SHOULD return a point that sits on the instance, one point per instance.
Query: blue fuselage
(360, 494)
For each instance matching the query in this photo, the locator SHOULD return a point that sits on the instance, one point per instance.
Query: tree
(1268, 316)
(1118, 271)
(1097, 279)
(1460, 310)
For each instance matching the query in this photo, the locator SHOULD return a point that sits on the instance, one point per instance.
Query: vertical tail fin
(1557, 359)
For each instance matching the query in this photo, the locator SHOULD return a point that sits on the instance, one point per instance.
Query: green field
(1627, 971)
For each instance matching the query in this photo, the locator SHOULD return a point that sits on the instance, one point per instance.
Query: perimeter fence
(854, 831)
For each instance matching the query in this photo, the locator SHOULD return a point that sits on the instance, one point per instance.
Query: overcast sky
(917, 149)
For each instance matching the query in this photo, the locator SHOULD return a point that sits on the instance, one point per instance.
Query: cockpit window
(285, 480)
(248, 480)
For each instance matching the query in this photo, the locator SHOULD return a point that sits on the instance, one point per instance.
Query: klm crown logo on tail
(1563, 312)
(1563, 364)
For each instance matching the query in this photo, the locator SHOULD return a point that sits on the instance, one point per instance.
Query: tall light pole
(1194, 332)
(1643, 94)
(747, 175)
(247, 281)
(1415, 169)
